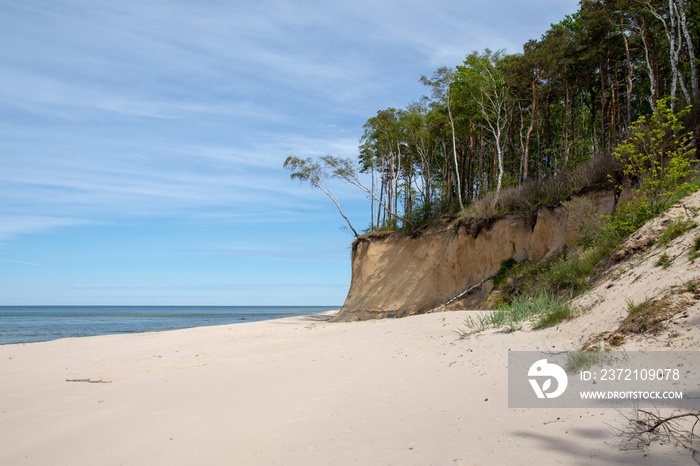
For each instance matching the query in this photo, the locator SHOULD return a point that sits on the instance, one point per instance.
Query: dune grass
(543, 310)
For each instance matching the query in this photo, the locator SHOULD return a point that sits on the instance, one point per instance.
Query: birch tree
(316, 174)
(683, 23)
(671, 20)
(344, 169)
(441, 82)
(488, 88)
(418, 135)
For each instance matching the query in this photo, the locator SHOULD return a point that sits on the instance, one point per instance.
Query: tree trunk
(650, 59)
(603, 106)
(499, 153)
(630, 76)
(454, 152)
(374, 188)
(481, 161)
(612, 79)
(396, 178)
(565, 126)
(680, 8)
(539, 153)
(673, 33)
(533, 115)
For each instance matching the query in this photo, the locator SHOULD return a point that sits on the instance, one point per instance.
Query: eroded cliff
(397, 276)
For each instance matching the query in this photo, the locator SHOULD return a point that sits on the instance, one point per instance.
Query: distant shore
(297, 390)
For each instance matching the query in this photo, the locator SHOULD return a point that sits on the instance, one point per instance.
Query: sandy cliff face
(395, 276)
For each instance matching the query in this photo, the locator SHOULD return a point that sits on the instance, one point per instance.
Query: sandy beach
(294, 391)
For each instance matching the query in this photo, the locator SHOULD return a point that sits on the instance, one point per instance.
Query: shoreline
(297, 390)
(30, 336)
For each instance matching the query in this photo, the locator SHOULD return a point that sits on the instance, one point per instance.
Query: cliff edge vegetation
(498, 120)
(551, 252)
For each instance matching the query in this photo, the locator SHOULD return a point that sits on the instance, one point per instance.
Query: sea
(29, 324)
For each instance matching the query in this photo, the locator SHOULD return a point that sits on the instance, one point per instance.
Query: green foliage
(308, 170)
(657, 157)
(502, 273)
(686, 190)
(569, 274)
(626, 220)
(532, 290)
(573, 271)
(605, 235)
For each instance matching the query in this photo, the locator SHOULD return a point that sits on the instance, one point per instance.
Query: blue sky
(142, 142)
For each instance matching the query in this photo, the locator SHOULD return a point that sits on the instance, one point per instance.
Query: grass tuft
(676, 229)
(695, 249)
(648, 316)
(557, 312)
(583, 360)
(664, 261)
(544, 310)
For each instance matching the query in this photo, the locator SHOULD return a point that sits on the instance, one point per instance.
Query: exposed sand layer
(394, 275)
(294, 391)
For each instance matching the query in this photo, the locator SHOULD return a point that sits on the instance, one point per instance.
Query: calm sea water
(27, 324)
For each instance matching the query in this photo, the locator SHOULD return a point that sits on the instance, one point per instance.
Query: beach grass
(543, 310)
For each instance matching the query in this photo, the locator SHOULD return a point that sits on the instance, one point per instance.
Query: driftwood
(645, 427)
(88, 380)
(462, 294)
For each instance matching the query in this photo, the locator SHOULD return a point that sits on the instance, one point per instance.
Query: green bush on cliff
(566, 275)
(502, 273)
(657, 157)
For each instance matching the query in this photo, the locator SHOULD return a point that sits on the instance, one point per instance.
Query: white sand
(293, 391)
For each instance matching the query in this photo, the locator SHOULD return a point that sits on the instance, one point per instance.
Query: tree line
(500, 120)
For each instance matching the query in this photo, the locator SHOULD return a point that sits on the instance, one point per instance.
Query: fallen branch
(661, 421)
(645, 427)
(462, 294)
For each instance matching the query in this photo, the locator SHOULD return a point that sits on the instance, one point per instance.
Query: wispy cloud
(11, 226)
(21, 262)
(162, 106)
(170, 180)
